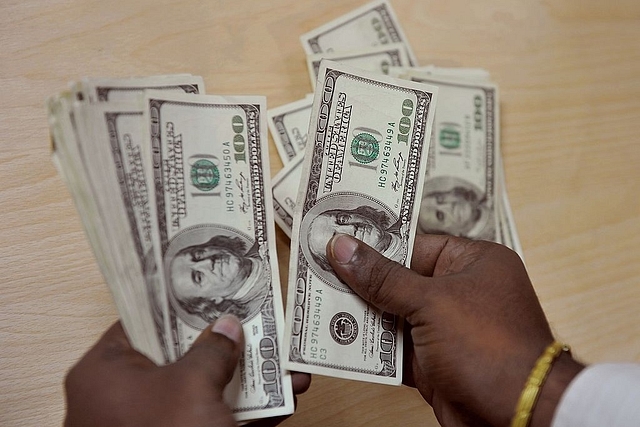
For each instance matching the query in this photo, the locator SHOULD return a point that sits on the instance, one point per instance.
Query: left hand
(115, 385)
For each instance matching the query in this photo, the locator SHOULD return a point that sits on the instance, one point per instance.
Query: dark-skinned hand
(114, 385)
(475, 325)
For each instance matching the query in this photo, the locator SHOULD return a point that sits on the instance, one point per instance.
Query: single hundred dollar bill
(209, 168)
(460, 195)
(376, 59)
(371, 25)
(289, 125)
(362, 174)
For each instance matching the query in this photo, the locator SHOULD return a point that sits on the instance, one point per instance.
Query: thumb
(217, 350)
(384, 283)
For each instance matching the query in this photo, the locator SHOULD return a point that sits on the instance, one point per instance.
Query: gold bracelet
(534, 383)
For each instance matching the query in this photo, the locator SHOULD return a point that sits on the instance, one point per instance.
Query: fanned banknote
(286, 181)
(371, 25)
(289, 124)
(376, 59)
(129, 89)
(67, 158)
(285, 191)
(363, 174)
(460, 194)
(207, 160)
(452, 73)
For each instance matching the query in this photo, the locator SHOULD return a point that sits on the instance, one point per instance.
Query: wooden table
(569, 75)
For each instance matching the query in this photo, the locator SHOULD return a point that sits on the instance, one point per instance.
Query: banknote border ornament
(104, 91)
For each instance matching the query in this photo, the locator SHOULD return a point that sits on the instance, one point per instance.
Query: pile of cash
(345, 171)
(175, 194)
(173, 188)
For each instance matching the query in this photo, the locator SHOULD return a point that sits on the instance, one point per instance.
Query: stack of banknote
(173, 188)
(351, 166)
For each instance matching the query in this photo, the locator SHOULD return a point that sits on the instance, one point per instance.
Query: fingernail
(343, 247)
(229, 326)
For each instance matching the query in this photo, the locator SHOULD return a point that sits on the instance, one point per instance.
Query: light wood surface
(569, 75)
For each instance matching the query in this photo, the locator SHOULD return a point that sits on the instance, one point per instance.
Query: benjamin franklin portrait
(217, 276)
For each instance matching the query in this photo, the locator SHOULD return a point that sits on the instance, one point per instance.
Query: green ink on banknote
(450, 135)
(205, 175)
(365, 148)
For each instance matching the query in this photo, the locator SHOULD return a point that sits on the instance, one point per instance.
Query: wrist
(563, 371)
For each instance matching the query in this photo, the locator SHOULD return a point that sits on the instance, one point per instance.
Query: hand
(475, 329)
(114, 385)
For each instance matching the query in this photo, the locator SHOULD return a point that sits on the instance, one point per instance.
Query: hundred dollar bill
(129, 89)
(373, 24)
(208, 164)
(289, 124)
(460, 195)
(285, 191)
(376, 59)
(362, 174)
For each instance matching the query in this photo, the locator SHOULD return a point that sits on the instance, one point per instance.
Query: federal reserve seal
(343, 328)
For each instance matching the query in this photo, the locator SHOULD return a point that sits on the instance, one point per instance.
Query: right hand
(475, 329)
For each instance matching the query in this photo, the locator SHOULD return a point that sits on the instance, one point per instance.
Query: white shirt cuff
(601, 395)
